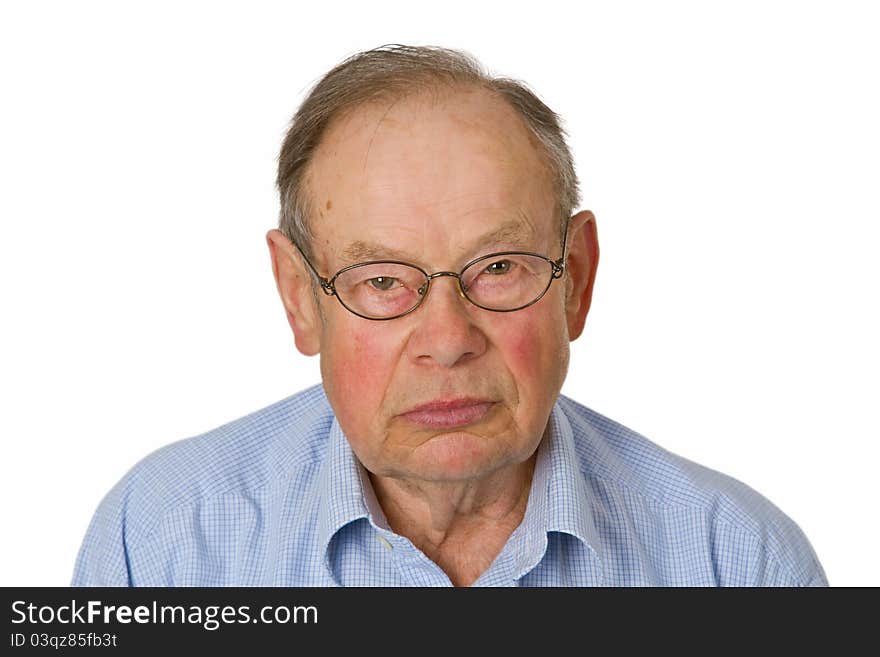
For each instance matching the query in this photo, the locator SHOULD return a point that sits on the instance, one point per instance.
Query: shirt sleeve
(103, 558)
(789, 559)
(805, 567)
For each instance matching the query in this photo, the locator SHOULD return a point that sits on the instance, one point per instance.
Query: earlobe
(294, 288)
(581, 265)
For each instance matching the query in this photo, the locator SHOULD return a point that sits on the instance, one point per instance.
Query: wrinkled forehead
(429, 168)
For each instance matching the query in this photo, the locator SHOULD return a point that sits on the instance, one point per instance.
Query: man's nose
(446, 333)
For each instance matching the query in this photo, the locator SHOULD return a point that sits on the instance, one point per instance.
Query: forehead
(429, 169)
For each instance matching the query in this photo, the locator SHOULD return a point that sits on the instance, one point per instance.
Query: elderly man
(430, 252)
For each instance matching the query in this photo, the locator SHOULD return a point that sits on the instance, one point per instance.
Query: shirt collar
(558, 501)
(345, 491)
(567, 502)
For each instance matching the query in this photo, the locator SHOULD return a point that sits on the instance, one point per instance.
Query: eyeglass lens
(382, 290)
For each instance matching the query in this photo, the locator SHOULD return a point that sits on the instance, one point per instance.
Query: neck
(460, 525)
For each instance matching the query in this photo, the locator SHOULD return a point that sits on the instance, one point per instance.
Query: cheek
(536, 354)
(356, 370)
(528, 341)
(523, 348)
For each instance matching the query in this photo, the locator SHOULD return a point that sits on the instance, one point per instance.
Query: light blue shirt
(278, 498)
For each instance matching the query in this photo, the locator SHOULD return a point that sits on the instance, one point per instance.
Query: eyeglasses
(387, 289)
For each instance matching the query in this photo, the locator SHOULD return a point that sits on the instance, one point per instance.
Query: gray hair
(392, 72)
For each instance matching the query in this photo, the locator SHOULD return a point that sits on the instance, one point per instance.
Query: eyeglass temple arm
(559, 265)
(326, 285)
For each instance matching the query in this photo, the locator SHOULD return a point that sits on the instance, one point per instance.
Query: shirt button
(384, 541)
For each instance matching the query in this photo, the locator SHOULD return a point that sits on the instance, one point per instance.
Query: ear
(581, 264)
(294, 287)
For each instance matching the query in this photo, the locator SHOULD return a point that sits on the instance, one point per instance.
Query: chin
(456, 456)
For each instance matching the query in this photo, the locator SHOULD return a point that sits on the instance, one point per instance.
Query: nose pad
(459, 285)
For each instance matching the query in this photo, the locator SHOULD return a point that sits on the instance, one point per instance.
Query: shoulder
(274, 444)
(622, 464)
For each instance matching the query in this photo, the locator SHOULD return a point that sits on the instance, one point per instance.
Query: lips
(445, 413)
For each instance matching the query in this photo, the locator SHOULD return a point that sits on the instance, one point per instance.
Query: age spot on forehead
(329, 204)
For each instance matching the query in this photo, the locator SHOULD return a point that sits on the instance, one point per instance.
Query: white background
(729, 151)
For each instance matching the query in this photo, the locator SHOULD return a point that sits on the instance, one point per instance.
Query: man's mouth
(449, 413)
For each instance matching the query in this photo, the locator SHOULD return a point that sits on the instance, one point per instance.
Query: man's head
(413, 154)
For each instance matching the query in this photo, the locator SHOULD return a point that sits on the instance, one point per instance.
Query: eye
(499, 267)
(383, 283)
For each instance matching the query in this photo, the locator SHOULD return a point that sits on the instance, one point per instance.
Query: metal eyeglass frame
(327, 285)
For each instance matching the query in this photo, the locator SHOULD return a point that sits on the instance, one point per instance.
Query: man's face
(425, 179)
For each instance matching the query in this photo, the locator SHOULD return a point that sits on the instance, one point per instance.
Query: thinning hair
(392, 72)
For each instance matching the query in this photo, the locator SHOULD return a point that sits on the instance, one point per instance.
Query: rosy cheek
(359, 366)
(521, 342)
(530, 347)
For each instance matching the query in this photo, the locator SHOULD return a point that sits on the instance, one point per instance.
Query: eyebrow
(510, 232)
